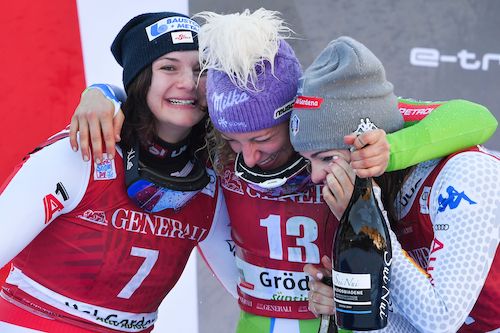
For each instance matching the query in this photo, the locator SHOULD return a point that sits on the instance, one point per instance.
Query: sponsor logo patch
(308, 102)
(424, 200)
(453, 200)
(169, 24)
(294, 124)
(105, 170)
(180, 37)
(416, 112)
(441, 227)
(97, 217)
(283, 110)
(230, 99)
(51, 205)
(365, 125)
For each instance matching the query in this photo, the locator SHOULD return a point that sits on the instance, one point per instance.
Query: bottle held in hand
(362, 258)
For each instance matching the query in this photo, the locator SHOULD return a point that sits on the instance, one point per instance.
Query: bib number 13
(305, 243)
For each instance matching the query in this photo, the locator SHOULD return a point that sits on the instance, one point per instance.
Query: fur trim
(238, 44)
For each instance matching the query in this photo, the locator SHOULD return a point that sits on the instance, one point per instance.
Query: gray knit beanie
(345, 84)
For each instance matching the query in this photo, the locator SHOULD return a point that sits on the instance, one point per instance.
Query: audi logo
(441, 227)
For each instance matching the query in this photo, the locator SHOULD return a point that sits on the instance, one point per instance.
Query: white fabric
(27, 189)
(460, 267)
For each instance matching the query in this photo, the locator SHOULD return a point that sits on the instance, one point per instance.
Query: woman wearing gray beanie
(443, 213)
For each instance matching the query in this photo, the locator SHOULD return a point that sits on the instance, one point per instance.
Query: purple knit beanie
(237, 110)
(253, 72)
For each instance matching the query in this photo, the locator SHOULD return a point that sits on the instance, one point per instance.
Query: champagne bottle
(362, 257)
(327, 324)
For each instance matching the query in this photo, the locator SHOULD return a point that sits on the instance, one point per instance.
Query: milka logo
(222, 102)
(428, 57)
(386, 278)
(130, 156)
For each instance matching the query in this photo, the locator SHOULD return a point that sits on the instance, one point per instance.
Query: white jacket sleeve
(48, 183)
(465, 197)
(218, 248)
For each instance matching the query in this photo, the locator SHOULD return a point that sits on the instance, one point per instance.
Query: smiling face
(268, 148)
(173, 96)
(320, 161)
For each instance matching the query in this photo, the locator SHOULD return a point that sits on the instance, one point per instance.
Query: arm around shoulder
(218, 248)
(447, 127)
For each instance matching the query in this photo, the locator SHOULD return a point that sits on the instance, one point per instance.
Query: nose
(187, 80)
(318, 174)
(251, 155)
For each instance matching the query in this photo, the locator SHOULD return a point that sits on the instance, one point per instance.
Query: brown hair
(390, 184)
(220, 152)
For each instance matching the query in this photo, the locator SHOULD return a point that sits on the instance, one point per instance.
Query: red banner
(42, 74)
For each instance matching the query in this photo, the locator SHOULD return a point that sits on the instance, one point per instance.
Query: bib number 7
(292, 228)
(150, 258)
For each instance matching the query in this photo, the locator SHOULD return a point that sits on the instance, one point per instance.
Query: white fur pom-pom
(239, 43)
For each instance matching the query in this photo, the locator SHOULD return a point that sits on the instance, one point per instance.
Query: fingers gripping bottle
(362, 257)
(327, 322)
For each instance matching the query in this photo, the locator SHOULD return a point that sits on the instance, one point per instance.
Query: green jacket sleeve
(450, 127)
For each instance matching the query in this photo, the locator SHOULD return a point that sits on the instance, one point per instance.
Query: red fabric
(416, 235)
(86, 254)
(42, 74)
(4, 271)
(255, 219)
(12, 314)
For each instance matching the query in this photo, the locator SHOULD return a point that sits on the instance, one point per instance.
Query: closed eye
(261, 140)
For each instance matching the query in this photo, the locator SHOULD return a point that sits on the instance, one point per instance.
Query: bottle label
(352, 292)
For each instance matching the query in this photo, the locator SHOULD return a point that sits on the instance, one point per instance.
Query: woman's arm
(218, 249)
(46, 184)
(99, 116)
(436, 129)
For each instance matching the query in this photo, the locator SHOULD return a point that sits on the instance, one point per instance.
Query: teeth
(181, 101)
(269, 159)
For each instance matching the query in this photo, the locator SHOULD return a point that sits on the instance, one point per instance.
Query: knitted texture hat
(252, 71)
(148, 36)
(344, 85)
(236, 110)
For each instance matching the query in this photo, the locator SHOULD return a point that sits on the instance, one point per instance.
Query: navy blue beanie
(148, 36)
